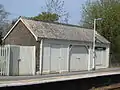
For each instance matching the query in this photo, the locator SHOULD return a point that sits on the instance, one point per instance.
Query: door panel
(55, 58)
(64, 57)
(98, 57)
(27, 60)
(46, 57)
(78, 58)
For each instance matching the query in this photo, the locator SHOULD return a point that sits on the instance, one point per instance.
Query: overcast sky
(34, 7)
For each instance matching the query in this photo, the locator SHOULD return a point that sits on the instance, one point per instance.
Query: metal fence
(4, 60)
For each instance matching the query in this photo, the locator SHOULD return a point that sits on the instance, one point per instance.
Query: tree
(57, 7)
(109, 27)
(46, 16)
(54, 11)
(3, 21)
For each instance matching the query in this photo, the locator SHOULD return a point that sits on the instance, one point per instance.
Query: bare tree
(57, 7)
(3, 20)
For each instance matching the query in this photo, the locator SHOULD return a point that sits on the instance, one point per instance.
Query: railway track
(110, 87)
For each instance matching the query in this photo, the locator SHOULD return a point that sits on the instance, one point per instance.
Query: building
(59, 47)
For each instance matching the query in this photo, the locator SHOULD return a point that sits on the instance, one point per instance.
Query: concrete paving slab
(8, 81)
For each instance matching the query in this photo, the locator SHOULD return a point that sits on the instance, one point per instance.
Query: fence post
(8, 60)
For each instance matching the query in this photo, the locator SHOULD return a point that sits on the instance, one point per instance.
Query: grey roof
(60, 31)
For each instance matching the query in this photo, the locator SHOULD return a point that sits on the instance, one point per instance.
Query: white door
(78, 58)
(98, 56)
(46, 58)
(55, 58)
(27, 60)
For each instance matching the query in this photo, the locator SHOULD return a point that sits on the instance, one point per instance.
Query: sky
(34, 7)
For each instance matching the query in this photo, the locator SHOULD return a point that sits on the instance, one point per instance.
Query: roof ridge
(58, 23)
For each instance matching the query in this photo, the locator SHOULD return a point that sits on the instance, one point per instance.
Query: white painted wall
(22, 60)
(105, 57)
(26, 66)
(65, 65)
(27, 55)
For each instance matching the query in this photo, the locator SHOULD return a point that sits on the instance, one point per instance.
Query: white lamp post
(94, 32)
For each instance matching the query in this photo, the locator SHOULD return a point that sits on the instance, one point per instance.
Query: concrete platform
(8, 81)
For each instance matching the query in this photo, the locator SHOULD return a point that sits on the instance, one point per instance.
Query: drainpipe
(8, 61)
(70, 48)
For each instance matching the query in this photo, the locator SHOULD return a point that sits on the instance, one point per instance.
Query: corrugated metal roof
(60, 31)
